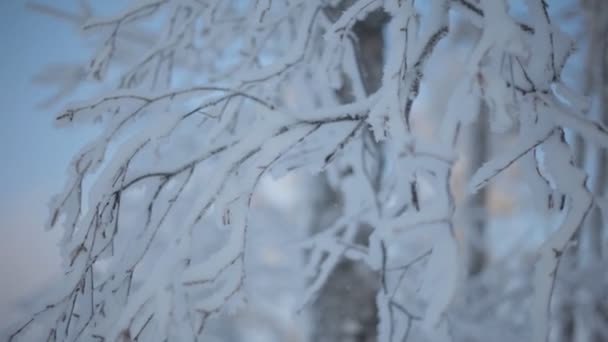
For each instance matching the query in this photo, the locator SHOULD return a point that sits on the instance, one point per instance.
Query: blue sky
(33, 152)
(29, 147)
(34, 155)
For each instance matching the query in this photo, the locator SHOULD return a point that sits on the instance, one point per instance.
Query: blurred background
(41, 44)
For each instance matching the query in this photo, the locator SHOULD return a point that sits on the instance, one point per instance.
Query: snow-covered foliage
(211, 96)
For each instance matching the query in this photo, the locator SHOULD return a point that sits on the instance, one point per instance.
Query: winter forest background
(313, 170)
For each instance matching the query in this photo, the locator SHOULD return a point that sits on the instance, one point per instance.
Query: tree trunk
(477, 151)
(345, 308)
(573, 325)
(591, 237)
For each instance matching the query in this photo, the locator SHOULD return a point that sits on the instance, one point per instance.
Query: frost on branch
(157, 208)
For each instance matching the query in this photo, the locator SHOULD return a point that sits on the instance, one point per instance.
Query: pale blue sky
(34, 155)
(30, 149)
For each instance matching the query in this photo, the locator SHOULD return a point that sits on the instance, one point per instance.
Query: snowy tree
(200, 101)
